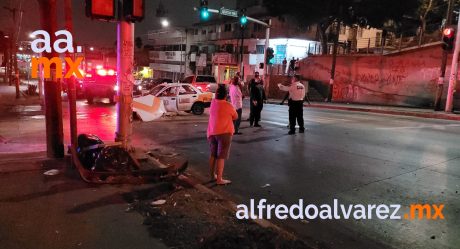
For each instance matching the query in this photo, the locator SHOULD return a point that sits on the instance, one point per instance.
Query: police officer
(296, 96)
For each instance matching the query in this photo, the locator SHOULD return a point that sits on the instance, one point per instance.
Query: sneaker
(257, 125)
(301, 130)
(291, 132)
(223, 182)
(237, 133)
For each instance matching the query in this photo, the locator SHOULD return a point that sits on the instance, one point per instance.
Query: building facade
(221, 47)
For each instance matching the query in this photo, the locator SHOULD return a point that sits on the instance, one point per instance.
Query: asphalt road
(357, 158)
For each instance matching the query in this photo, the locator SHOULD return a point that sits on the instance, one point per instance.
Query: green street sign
(228, 12)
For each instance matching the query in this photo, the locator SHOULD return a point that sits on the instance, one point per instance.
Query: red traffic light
(448, 39)
(101, 9)
(134, 10)
(449, 32)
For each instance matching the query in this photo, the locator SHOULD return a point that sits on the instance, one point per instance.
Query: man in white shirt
(236, 98)
(296, 97)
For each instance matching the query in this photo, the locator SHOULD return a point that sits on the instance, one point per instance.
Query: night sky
(98, 33)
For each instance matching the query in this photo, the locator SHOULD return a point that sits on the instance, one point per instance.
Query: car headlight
(139, 88)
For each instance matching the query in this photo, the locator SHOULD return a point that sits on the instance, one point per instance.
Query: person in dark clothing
(257, 97)
(291, 67)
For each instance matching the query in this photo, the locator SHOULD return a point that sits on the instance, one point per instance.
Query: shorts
(220, 145)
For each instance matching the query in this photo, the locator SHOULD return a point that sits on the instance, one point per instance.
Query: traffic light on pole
(270, 55)
(243, 18)
(448, 39)
(100, 9)
(204, 13)
(133, 10)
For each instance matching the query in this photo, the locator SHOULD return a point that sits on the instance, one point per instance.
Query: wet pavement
(351, 156)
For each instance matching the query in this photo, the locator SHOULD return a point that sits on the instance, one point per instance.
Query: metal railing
(379, 45)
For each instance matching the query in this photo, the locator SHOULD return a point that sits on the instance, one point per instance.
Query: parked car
(182, 97)
(206, 83)
(147, 84)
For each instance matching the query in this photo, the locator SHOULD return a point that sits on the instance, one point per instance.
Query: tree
(326, 12)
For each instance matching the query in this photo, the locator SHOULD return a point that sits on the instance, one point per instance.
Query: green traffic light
(204, 14)
(243, 20)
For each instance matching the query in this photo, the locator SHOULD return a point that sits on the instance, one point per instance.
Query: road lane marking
(436, 127)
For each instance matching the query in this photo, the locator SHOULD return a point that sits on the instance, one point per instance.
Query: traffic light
(243, 18)
(270, 55)
(100, 9)
(133, 10)
(448, 37)
(204, 13)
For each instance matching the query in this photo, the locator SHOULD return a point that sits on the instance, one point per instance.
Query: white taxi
(180, 97)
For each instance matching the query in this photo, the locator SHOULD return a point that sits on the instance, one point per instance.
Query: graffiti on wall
(396, 79)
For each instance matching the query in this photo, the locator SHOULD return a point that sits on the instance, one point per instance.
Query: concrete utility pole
(71, 91)
(445, 53)
(125, 80)
(53, 101)
(453, 73)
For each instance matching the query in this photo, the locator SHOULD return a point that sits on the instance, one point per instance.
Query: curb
(389, 112)
(443, 116)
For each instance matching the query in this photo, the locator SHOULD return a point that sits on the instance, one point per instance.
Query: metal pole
(241, 52)
(71, 91)
(267, 44)
(453, 73)
(440, 85)
(125, 60)
(334, 61)
(40, 80)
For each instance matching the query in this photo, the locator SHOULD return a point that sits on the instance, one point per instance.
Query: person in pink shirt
(236, 98)
(220, 132)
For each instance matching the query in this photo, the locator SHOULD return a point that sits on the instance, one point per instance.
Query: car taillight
(207, 87)
(88, 75)
(111, 72)
(115, 88)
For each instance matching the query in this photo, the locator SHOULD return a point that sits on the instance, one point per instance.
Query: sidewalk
(402, 111)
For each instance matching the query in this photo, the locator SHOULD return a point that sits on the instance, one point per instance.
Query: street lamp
(165, 23)
(91, 48)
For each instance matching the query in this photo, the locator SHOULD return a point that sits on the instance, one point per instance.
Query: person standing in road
(284, 66)
(257, 98)
(236, 98)
(291, 67)
(220, 132)
(297, 65)
(296, 97)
